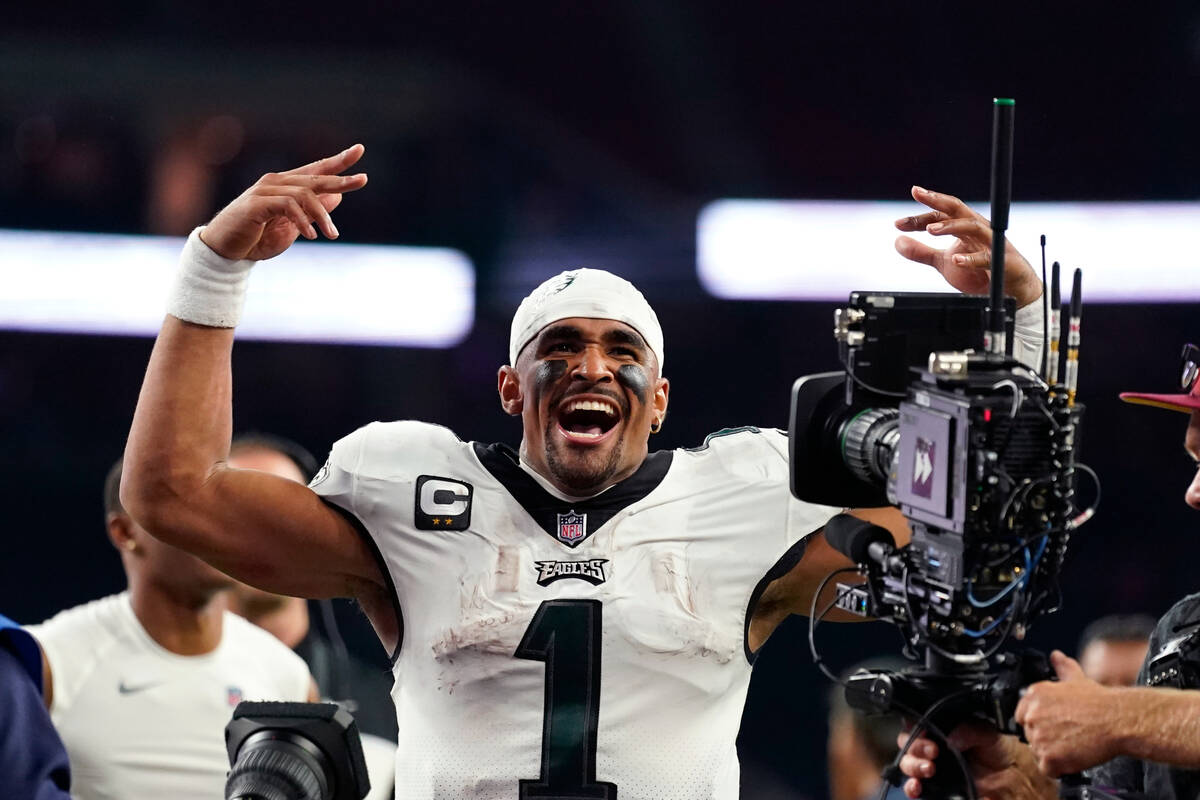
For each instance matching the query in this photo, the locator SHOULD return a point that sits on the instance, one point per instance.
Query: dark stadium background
(547, 133)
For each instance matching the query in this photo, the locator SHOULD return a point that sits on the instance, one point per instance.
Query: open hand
(265, 219)
(966, 263)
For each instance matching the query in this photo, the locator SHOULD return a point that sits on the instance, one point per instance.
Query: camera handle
(941, 696)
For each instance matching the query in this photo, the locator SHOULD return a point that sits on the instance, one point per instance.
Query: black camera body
(977, 452)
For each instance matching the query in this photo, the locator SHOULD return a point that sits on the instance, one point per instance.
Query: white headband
(589, 293)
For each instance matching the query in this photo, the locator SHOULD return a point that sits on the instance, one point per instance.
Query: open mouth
(588, 421)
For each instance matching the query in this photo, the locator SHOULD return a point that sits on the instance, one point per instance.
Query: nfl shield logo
(572, 527)
(233, 695)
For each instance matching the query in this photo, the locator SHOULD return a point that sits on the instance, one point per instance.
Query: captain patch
(442, 504)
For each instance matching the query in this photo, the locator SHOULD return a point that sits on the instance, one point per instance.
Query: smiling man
(576, 619)
(586, 355)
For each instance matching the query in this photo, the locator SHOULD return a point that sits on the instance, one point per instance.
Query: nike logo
(123, 689)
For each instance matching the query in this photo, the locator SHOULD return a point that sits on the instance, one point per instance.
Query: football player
(574, 618)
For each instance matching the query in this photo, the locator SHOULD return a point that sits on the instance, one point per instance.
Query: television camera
(978, 451)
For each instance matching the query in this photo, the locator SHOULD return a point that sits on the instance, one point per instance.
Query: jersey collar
(570, 522)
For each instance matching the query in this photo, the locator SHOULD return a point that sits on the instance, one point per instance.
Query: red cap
(1175, 402)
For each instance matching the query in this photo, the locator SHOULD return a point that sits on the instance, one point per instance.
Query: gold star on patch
(437, 521)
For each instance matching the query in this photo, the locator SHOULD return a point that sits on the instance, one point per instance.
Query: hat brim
(1173, 402)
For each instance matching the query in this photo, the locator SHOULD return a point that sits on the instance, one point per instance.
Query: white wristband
(1028, 332)
(209, 289)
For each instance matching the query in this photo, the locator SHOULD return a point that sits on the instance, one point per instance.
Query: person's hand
(266, 218)
(1002, 767)
(966, 263)
(1071, 723)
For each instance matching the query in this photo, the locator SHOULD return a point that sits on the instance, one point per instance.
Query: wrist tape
(209, 289)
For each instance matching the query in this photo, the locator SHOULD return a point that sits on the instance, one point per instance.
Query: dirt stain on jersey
(491, 616)
(671, 623)
(508, 565)
(492, 634)
(671, 578)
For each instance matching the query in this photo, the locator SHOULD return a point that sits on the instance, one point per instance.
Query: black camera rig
(931, 413)
(979, 456)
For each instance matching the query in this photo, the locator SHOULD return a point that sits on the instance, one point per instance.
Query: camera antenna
(1045, 323)
(1002, 149)
(1073, 337)
(1055, 326)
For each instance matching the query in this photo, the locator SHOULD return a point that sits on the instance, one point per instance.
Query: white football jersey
(141, 721)
(557, 649)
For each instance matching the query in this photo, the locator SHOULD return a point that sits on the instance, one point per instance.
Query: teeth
(582, 435)
(591, 405)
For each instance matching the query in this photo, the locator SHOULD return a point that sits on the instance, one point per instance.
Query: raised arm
(264, 530)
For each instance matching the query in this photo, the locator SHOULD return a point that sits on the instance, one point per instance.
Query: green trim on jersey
(722, 432)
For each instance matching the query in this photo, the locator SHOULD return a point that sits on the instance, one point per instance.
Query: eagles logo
(591, 571)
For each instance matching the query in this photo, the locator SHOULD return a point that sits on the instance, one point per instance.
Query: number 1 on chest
(565, 635)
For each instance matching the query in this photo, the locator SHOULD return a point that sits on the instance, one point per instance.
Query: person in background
(141, 684)
(1112, 648)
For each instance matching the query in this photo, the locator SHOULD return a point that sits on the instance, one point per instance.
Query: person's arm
(1075, 723)
(33, 762)
(47, 680)
(792, 593)
(264, 530)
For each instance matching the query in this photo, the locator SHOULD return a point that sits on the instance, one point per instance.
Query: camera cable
(925, 722)
(814, 619)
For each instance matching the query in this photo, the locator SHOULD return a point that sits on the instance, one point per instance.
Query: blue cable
(992, 627)
(1030, 565)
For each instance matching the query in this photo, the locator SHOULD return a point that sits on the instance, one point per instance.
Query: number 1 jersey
(570, 649)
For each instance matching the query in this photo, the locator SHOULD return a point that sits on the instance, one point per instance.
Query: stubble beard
(583, 471)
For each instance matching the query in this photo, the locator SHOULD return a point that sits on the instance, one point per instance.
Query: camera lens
(868, 440)
(277, 765)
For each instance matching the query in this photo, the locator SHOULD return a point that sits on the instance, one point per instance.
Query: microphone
(859, 540)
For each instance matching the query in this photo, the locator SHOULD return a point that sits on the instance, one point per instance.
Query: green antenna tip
(1004, 101)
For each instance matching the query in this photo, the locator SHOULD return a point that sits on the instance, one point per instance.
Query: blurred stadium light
(334, 293)
(813, 250)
